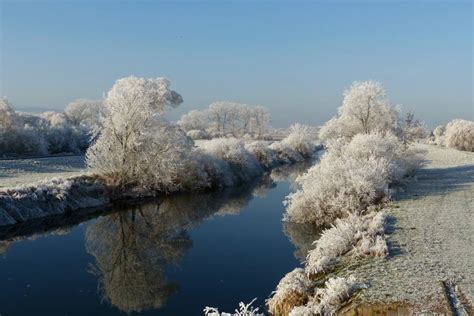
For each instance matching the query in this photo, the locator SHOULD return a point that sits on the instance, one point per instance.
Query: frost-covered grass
(330, 298)
(14, 172)
(354, 235)
(243, 310)
(294, 289)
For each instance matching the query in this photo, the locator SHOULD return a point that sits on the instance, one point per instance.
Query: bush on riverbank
(367, 152)
(459, 134)
(350, 177)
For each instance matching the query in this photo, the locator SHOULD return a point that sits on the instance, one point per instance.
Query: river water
(171, 257)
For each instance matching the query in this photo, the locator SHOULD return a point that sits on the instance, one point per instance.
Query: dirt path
(431, 240)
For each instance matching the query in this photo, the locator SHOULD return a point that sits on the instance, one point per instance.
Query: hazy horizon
(296, 58)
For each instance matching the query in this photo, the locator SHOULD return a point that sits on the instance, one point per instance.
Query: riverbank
(51, 197)
(431, 241)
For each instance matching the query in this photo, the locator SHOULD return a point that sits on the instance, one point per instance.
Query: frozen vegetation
(138, 148)
(14, 172)
(460, 135)
(50, 197)
(227, 119)
(368, 152)
(137, 152)
(243, 310)
(432, 238)
(50, 132)
(457, 134)
(133, 245)
(350, 177)
(328, 300)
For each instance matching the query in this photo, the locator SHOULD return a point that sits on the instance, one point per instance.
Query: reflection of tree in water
(302, 236)
(290, 172)
(133, 247)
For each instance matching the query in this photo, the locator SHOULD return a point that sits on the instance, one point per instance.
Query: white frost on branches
(350, 177)
(223, 119)
(50, 132)
(365, 109)
(243, 310)
(137, 146)
(460, 135)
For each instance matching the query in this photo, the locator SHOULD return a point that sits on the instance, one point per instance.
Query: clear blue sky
(296, 58)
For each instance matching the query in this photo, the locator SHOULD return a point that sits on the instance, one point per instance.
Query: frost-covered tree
(86, 112)
(17, 138)
(365, 109)
(7, 114)
(413, 128)
(194, 120)
(259, 121)
(136, 145)
(237, 120)
(460, 135)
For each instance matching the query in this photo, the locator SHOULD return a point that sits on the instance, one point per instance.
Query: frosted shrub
(350, 177)
(300, 139)
(198, 134)
(328, 300)
(243, 164)
(285, 153)
(438, 134)
(23, 141)
(205, 171)
(24, 134)
(292, 290)
(296, 146)
(337, 187)
(66, 138)
(358, 235)
(460, 135)
(264, 154)
(244, 310)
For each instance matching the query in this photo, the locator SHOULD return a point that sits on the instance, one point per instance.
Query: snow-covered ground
(432, 242)
(24, 171)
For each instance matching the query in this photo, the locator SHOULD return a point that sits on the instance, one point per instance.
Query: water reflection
(133, 246)
(302, 236)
